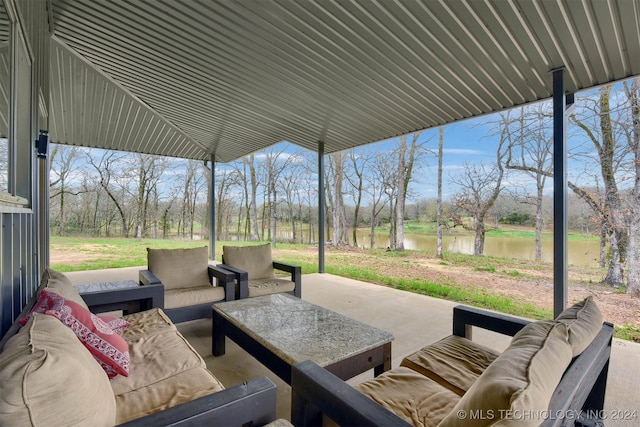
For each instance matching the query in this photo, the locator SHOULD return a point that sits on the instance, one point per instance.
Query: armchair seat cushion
(269, 286)
(454, 362)
(185, 297)
(255, 260)
(417, 399)
(180, 268)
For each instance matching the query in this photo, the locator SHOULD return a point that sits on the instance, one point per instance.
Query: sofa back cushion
(48, 378)
(180, 268)
(60, 284)
(583, 321)
(519, 382)
(255, 260)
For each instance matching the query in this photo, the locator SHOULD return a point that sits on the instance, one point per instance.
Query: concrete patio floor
(414, 320)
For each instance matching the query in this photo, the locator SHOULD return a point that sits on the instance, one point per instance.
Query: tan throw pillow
(180, 268)
(61, 285)
(48, 378)
(519, 382)
(583, 321)
(255, 260)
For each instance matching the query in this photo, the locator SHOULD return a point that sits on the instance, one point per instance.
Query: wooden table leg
(386, 365)
(217, 335)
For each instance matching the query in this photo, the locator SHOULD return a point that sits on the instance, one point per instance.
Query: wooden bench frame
(580, 393)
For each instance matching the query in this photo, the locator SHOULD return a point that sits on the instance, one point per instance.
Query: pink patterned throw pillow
(109, 348)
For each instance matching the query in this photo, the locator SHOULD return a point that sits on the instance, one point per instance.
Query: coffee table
(281, 330)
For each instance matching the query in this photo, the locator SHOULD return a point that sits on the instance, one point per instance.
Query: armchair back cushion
(48, 378)
(180, 268)
(255, 260)
(520, 381)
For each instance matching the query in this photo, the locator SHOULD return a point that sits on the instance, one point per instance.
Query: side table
(126, 295)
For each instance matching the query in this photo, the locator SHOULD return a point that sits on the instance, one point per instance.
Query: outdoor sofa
(51, 376)
(553, 373)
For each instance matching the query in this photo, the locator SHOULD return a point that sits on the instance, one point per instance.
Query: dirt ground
(616, 307)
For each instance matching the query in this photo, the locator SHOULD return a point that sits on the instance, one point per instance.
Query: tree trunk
(615, 272)
(539, 220)
(633, 278)
(254, 205)
(478, 246)
(399, 243)
(603, 246)
(439, 201)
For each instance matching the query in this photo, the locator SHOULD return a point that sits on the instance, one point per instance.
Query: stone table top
(106, 286)
(296, 330)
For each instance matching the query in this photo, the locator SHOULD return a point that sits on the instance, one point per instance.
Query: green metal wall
(23, 234)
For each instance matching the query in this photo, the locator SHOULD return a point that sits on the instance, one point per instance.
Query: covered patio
(414, 320)
(217, 80)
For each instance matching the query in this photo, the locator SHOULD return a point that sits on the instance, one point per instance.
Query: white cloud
(461, 151)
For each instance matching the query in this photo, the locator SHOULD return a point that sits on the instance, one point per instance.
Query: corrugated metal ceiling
(194, 78)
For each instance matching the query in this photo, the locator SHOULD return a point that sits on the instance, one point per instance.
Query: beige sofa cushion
(180, 268)
(60, 284)
(147, 323)
(180, 388)
(48, 378)
(270, 285)
(164, 371)
(412, 396)
(255, 260)
(453, 362)
(583, 321)
(520, 381)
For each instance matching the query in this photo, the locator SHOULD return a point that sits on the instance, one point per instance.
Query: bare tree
(480, 187)
(193, 186)
(375, 189)
(356, 178)
(335, 188)
(149, 173)
(439, 202)
(632, 91)
(610, 153)
(406, 156)
(530, 147)
(112, 182)
(290, 186)
(62, 166)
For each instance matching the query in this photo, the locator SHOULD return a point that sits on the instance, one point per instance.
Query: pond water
(580, 252)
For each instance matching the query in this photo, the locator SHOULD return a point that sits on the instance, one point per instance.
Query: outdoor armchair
(191, 285)
(254, 271)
